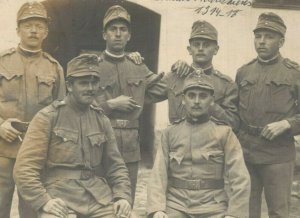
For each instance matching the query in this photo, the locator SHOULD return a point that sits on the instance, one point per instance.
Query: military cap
(84, 65)
(203, 29)
(271, 21)
(32, 9)
(114, 13)
(197, 80)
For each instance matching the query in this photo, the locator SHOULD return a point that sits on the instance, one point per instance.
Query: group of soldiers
(228, 142)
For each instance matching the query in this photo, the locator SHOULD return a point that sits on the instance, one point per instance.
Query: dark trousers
(275, 180)
(133, 168)
(7, 187)
(172, 213)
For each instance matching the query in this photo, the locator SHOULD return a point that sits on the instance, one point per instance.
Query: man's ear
(281, 42)
(189, 49)
(69, 86)
(104, 35)
(129, 37)
(216, 49)
(183, 100)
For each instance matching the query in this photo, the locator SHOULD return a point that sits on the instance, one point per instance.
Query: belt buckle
(122, 123)
(194, 185)
(86, 174)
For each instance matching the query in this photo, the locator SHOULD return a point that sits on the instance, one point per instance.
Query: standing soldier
(269, 96)
(124, 86)
(192, 160)
(68, 140)
(30, 80)
(203, 46)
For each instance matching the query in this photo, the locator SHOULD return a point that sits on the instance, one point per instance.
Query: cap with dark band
(203, 29)
(84, 65)
(195, 80)
(271, 21)
(32, 9)
(114, 13)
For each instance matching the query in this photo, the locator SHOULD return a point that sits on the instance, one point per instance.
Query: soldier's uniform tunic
(69, 144)
(120, 76)
(189, 169)
(28, 82)
(269, 92)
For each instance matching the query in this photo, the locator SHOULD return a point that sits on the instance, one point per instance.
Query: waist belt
(196, 184)
(124, 124)
(54, 174)
(251, 130)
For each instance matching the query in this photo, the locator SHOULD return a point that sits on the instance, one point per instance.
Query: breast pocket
(213, 161)
(97, 142)
(136, 89)
(280, 95)
(108, 86)
(10, 84)
(245, 90)
(64, 147)
(45, 88)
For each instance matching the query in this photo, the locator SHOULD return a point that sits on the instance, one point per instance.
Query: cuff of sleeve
(41, 201)
(294, 130)
(1, 120)
(123, 196)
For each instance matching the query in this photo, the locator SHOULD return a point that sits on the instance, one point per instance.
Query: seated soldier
(192, 160)
(68, 140)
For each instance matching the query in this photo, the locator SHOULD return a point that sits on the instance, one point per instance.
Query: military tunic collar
(270, 61)
(113, 57)
(197, 120)
(28, 53)
(199, 70)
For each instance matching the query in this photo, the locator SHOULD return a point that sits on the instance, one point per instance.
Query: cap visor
(198, 86)
(81, 74)
(203, 37)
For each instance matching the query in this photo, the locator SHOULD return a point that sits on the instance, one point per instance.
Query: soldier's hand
(136, 57)
(57, 207)
(272, 130)
(122, 208)
(123, 103)
(160, 214)
(7, 132)
(181, 68)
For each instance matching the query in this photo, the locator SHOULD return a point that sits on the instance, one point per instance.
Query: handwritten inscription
(216, 11)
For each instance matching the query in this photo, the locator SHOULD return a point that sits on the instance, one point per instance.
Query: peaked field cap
(114, 13)
(32, 9)
(203, 29)
(271, 21)
(195, 80)
(84, 65)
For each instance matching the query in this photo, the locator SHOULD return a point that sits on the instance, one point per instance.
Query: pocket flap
(106, 83)
(246, 82)
(96, 139)
(134, 81)
(67, 135)
(278, 82)
(48, 80)
(9, 76)
(176, 156)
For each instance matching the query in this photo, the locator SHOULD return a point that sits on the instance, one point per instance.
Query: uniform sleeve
(295, 120)
(156, 89)
(157, 185)
(60, 84)
(115, 169)
(238, 178)
(31, 160)
(227, 110)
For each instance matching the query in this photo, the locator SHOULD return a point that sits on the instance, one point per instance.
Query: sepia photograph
(149, 108)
